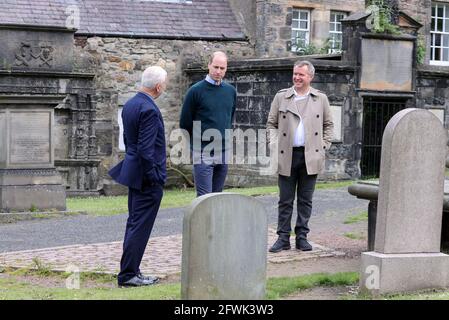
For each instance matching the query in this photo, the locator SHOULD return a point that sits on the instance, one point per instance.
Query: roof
(356, 16)
(196, 19)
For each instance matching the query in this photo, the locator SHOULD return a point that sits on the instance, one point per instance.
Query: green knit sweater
(213, 105)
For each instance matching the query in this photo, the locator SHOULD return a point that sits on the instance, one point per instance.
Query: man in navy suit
(144, 172)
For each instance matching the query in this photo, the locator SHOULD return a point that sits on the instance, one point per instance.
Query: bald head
(220, 54)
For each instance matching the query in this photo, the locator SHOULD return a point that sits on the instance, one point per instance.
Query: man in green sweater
(207, 112)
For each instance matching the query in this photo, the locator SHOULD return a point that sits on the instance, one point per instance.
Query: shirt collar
(152, 99)
(212, 81)
(297, 95)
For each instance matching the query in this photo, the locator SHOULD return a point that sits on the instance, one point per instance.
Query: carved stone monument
(224, 248)
(28, 177)
(406, 254)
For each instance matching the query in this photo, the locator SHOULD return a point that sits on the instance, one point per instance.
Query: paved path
(94, 243)
(162, 257)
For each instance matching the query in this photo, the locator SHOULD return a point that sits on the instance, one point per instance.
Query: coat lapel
(291, 105)
(300, 109)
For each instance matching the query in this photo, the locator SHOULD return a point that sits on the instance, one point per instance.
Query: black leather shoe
(303, 245)
(137, 281)
(280, 245)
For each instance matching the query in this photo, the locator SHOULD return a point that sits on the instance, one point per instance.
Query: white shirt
(300, 136)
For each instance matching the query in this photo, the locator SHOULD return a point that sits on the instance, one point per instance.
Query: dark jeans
(143, 206)
(304, 185)
(209, 177)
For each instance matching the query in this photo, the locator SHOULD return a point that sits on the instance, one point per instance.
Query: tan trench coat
(318, 127)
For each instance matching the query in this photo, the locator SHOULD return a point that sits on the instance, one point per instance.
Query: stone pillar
(406, 252)
(224, 248)
(261, 26)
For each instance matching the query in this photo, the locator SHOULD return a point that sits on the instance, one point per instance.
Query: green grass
(277, 288)
(106, 206)
(354, 236)
(13, 288)
(429, 294)
(423, 295)
(16, 290)
(357, 218)
(333, 185)
(99, 206)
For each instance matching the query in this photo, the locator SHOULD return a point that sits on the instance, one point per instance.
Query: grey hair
(310, 66)
(152, 76)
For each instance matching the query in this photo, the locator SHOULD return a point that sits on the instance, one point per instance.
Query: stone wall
(421, 11)
(257, 81)
(320, 15)
(118, 64)
(74, 128)
(274, 20)
(245, 12)
(432, 91)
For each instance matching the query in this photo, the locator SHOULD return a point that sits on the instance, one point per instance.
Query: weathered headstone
(28, 177)
(406, 254)
(224, 248)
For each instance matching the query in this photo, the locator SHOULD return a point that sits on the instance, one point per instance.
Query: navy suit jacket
(144, 137)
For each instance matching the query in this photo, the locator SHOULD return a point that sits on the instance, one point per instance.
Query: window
(439, 34)
(300, 29)
(335, 33)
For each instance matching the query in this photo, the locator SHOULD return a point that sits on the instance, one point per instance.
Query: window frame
(294, 47)
(335, 22)
(443, 34)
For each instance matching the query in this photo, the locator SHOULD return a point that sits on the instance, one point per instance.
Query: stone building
(278, 27)
(115, 40)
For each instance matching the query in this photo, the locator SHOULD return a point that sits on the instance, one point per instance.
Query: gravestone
(406, 254)
(224, 248)
(28, 177)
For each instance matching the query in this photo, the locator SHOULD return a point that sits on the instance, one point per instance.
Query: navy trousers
(209, 177)
(143, 206)
(210, 174)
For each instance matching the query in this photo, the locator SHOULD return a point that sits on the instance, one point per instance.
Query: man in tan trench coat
(302, 117)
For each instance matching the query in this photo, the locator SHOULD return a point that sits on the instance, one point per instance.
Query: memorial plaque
(31, 48)
(336, 117)
(386, 65)
(30, 137)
